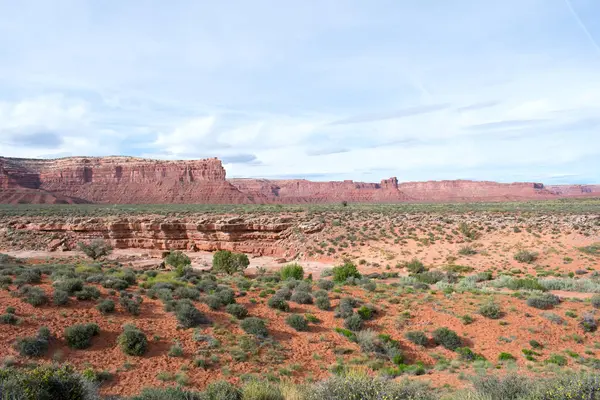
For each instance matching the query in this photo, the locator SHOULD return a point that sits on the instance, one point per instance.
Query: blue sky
(342, 89)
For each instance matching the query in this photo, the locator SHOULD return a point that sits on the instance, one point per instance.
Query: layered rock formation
(128, 180)
(120, 180)
(252, 235)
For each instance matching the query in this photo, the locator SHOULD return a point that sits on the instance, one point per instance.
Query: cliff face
(303, 191)
(122, 180)
(131, 180)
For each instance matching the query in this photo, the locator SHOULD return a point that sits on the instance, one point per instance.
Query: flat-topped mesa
(464, 190)
(124, 179)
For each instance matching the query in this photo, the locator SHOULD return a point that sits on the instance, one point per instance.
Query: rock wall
(252, 235)
(122, 180)
(129, 180)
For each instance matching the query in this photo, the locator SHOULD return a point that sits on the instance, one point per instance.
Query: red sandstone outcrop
(252, 235)
(129, 180)
(121, 180)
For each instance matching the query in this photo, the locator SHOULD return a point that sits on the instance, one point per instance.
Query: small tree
(228, 262)
(342, 272)
(178, 260)
(96, 249)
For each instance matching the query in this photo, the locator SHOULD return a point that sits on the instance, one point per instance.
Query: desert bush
(133, 341)
(325, 284)
(301, 297)
(9, 319)
(33, 295)
(285, 293)
(554, 318)
(509, 387)
(60, 297)
(359, 386)
(45, 382)
(70, 285)
(525, 284)
(213, 301)
(80, 336)
(467, 250)
(544, 301)
(254, 326)
(366, 312)
(345, 308)
(184, 292)
(257, 390)
(415, 266)
(188, 315)
(35, 346)
(490, 309)
(467, 354)
(323, 303)
(172, 393)
(226, 295)
(278, 303)
(131, 305)
(106, 306)
(506, 357)
(96, 249)
(228, 262)
(447, 338)
(526, 256)
(114, 283)
(179, 261)
(430, 277)
(176, 350)
(588, 323)
(417, 337)
(291, 271)
(237, 310)
(28, 276)
(369, 286)
(303, 286)
(222, 390)
(353, 322)
(297, 321)
(87, 293)
(341, 273)
(595, 300)
(557, 359)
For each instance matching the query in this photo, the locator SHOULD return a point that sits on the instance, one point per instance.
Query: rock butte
(130, 180)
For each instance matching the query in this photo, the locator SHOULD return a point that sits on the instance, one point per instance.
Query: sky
(320, 89)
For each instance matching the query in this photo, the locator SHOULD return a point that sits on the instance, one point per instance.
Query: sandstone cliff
(120, 180)
(129, 180)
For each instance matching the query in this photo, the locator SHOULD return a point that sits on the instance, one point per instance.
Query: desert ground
(516, 285)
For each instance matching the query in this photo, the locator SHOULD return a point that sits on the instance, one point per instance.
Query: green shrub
(557, 359)
(490, 310)
(525, 284)
(323, 303)
(80, 336)
(213, 301)
(133, 341)
(257, 390)
(227, 262)
(325, 284)
(88, 293)
(467, 251)
(44, 383)
(226, 295)
(588, 323)
(33, 295)
(417, 337)
(70, 285)
(184, 292)
(447, 338)
(526, 256)
(32, 275)
(596, 301)
(467, 354)
(341, 273)
(106, 306)
(176, 350)
(172, 393)
(297, 321)
(254, 326)
(278, 303)
(346, 307)
(96, 249)
(506, 357)
(366, 312)
(415, 266)
(544, 301)
(354, 322)
(301, 297)
(9, 319)
(237, 310)
(131, 305)
(179, 261)
(60, 297)
(291, 271)
(222, 390)
(188, 315)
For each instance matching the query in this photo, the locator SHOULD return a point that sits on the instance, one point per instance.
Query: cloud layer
(323, 89)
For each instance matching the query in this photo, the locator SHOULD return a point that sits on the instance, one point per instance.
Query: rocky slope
(128, 180)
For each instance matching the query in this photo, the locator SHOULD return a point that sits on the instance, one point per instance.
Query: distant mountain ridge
(131, 180)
